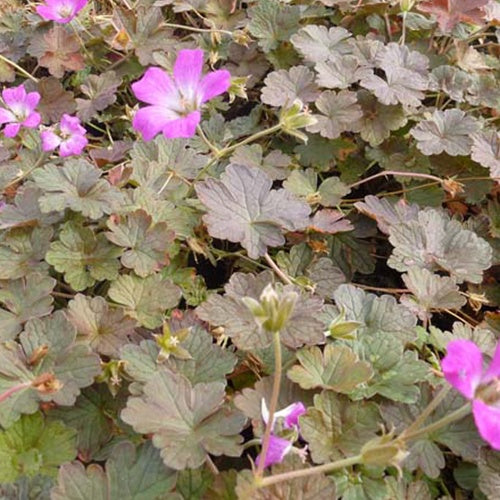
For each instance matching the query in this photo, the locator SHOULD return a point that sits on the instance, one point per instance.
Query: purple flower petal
(14, 95)
(292, 414)
(32, 121)
(156, 87)
(187, 71)
(12, 129)
(214, 84)
(463, 366)
(151, 120)
(71, 125)
(6, 116)
(73, 146)
(487, 420)
(46, 12)
(278, 448)
(61, 11)
(494, 368)
(32, 100)
(50, 141)
(182, 127)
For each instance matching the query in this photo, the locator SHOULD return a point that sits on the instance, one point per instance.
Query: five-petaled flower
(19, 111)
(69, 137)
(175, 103)
(463, 369)
(279, 447)
(60, 11)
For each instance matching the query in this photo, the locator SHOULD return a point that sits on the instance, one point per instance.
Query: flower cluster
(60, 11)
(68, 136)
(463, 369)
(175, 103)
(19, 111)
(279, 447)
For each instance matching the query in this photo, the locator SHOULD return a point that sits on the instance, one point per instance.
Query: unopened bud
(406, 5)
(273, 310)
(341, 329)
(383, 451)
(294, 118)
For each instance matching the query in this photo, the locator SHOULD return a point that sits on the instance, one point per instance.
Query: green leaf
(26, 209)
(83, 256)
(325, 276)
(162, 164)
(230, 311)
(33, 446)
(283, 87)
(272, 22)
(48, 361)
(145, 299)
(101, 91)
(275, 164)
(430, 291)
(396, 371)
(450, 130)
(148, 243)
(489, 473)
(187, 422)
(130, 474)
(376, 314)
(35, 488)
(92, 416)
(351, 254)
(378, 120)
(243, 208)
(435, 242)
(193, 484)
(24, 299)
(318, 43)
(208, 362)
(77, 185)
(337, 368)
(336, 427)
(103, 329)
(340, 113)
(22, 251)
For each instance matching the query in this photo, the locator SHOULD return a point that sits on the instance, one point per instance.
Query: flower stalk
(273, 403)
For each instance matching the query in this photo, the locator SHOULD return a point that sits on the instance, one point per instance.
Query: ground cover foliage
(308, 251)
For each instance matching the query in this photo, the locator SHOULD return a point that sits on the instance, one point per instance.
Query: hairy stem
(16, 66)
(273, 403)
(286, 279)
(318, 469)
(426, 412)
(442, 422)
(395, 172)
(214, 149)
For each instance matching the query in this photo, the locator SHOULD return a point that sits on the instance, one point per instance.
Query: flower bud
(383, 451)
(341, 329)
(273, 310)
(294, 118)
(406, 5)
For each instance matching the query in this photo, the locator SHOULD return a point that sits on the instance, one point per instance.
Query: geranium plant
(249, 249)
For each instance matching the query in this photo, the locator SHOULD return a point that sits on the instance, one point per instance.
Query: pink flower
(70, 140)
(278, 446)
(60, 11)
(463, 369)
(19, 111)
(175, 104)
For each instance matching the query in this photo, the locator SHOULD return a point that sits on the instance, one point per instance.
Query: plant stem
(212, 466)
(447, 419)
(196, 30)
(403, 29)
(214, 149)
(40, 160)
(286, 279)
(21, 70)
(287, 476)
(254, 137)
(395, 172)
(426, 412)
(273, 403)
